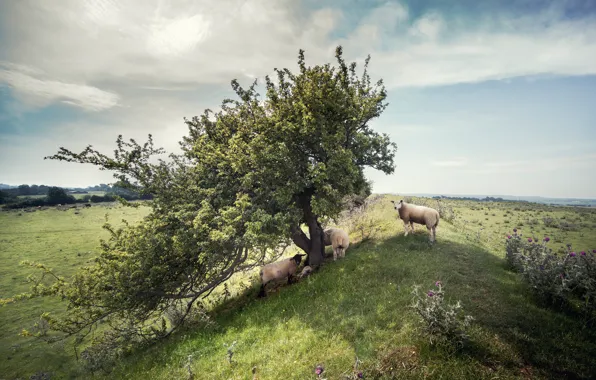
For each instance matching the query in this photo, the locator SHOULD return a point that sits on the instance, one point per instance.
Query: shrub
(360, 219)
(446, 212)
(443, 323)
(552, 277)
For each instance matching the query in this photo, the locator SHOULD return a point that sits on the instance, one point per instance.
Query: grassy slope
(359, 307)
(62, 240)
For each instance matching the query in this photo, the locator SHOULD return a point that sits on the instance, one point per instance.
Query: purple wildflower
(438, 283)
(529, 240)
(572, 254)
(319, 370)
(508, 236)
(582, 253)
(547, 239)
(431, 293)
(594, 251)
(515, 230)
(360, 375)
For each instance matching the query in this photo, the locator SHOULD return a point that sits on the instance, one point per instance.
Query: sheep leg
(412, 226)
(262, 291)
(406, 228)
(432, 233)
(335, 254)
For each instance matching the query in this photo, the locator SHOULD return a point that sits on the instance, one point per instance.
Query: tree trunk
(317, 247)
(313, 247)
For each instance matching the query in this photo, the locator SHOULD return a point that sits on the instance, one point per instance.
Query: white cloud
(453, 162)
(147, 63)
(153, 43)
(41, 92)
(496, 47)
(427, 26)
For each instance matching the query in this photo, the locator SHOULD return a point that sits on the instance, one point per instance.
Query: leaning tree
(248, 177)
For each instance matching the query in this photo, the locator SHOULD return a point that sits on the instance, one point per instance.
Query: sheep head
(398, 205)
(298, 258)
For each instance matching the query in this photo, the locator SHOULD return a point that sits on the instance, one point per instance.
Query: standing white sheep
(338, 239)
(411, 214)
(278, 270)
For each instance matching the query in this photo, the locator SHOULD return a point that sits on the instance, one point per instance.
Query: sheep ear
(401, 201)
(392, 201)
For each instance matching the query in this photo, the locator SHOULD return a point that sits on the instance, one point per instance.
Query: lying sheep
(411, 214)
(338, 239)
(278, 270)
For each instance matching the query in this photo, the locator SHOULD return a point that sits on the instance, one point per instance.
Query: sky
(485, 97)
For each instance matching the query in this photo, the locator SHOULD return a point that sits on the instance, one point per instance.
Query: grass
(63, 240)
(356, 307)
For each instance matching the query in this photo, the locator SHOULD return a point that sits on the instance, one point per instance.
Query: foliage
(358, 217)
(446, 211)
(552, 277)
(57, 195)
(443, 323)
(6, 197)
(245, 181)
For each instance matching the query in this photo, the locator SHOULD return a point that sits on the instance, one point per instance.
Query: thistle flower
(431, 293)
(508, 236)
(437, 283)
(529, 240)
(360, 375)
(515, 230)
(547, 239)
(572, 254)
(583, 253)
(319, 370)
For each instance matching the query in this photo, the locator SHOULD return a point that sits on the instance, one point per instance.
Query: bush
(554, 278)
(443, 323)
(445, 212)
(107, 349)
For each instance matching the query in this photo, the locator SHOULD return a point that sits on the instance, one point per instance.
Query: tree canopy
(248, 176)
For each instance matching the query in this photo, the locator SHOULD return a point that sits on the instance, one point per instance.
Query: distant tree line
(485, 199)
(56, 195)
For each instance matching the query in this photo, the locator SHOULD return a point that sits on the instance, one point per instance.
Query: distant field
(355, 307)
(63, 240)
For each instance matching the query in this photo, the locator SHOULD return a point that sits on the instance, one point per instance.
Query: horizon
(374, 192)
(485, 97)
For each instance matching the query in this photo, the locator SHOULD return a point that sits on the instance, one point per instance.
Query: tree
(24, 190)
(248, 177)
(57, 195)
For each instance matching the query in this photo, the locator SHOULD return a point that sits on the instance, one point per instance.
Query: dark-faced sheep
(338, 239)
(411, 214)
(278, 270)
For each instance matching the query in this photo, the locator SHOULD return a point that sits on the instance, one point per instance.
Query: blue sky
(486, 97)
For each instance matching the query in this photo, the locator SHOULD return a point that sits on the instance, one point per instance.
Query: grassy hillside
(356, 307)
